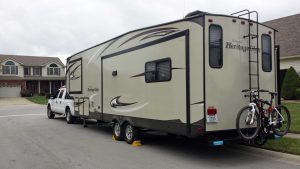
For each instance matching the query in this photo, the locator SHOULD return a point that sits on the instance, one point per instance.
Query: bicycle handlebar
(252, 91)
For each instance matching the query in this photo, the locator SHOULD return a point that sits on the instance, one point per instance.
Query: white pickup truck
(61, 103)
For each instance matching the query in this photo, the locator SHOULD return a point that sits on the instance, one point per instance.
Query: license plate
(212, 119)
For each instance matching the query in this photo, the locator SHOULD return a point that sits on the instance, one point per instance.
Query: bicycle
(256, 122)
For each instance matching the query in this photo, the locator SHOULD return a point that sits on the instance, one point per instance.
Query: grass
(294, 109)
(38, 99)
(286, 145)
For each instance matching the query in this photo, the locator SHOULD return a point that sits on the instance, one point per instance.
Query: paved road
(28, 140)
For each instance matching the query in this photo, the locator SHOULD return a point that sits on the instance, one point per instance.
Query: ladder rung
(250, 35)
(254, 74)
(253, 61)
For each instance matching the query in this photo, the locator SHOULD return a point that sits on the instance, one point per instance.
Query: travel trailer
(183, 77)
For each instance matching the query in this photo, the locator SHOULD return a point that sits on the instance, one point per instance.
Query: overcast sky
(61, 28)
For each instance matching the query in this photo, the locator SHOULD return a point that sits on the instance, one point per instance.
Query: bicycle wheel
(262, 136)
(247, 123)
(282, 121)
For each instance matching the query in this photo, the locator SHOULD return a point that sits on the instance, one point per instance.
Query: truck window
(215, 46)
(56, 94)
(158, 71)
(266, 53)
(61, 94)
(67, 96)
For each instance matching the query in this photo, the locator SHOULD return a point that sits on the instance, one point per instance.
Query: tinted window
(56, 94)
(215, 46)
(61, 94)
(266, 46)
(158, 71)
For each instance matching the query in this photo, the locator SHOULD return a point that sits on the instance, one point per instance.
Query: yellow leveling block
(136, 143)
(113, 138)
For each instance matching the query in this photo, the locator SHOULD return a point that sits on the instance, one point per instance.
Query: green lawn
(38, 99)
(294, 109)
(286, 145)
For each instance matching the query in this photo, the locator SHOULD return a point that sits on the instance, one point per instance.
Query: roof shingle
(288, 35)
(31, 60)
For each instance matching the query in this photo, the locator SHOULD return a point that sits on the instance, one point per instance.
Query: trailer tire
(50, 114)
(118, 131)
(69, 118)
(131, 133)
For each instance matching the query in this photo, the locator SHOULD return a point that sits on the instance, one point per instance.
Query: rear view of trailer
(184, 77)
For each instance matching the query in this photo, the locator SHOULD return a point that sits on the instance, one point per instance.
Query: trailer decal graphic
(143, 74)
(147, 32)
(115, 102)
(160, 33)
(72, 73)
(238, 46)
(202, 102)
(138, 75)
(69, 67)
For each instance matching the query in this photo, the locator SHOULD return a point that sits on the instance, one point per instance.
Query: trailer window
(158, 71)
(266, 53)
(215, 46)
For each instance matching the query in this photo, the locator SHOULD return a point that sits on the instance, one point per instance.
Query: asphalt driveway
(29, 140)
(14, 101)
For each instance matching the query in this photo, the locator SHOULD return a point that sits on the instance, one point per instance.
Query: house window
(215, 46)
(53, 69)
(27, 71)
(158, 71)
(266, 53)
(37, 71)
(10, 68)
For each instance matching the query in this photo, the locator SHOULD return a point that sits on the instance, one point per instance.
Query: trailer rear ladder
(253, 59)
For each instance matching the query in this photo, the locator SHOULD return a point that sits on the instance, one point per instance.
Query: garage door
(7, 91)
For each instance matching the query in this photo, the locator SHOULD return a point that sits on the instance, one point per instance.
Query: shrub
(297, 93)
(47, 95)
(25, 93)
(42, 94)
(290, 83)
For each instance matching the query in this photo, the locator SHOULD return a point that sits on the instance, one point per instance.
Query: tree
(290, 83)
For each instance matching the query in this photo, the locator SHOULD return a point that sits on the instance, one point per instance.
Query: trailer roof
(187, 17)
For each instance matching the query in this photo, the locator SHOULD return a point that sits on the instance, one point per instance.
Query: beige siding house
(36, 75)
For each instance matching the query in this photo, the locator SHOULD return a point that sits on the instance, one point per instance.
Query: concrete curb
(284, 157)
(292, 135)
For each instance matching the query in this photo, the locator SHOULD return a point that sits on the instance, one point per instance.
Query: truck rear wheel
(131, 133)
(50, 114)
(118, 131)
(69, 117)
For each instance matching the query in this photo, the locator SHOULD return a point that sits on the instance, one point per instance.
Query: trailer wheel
(69, 117)
(118, 131)
(131, 133)
(50, 114)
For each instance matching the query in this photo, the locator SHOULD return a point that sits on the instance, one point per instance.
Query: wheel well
(122, 122)
(67, 108)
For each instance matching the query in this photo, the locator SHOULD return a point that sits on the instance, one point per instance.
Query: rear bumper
(224, 135)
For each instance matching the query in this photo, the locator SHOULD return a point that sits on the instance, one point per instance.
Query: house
(288, 37)
(36, 75)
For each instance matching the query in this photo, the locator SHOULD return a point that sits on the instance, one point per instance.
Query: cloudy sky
(63, 27)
